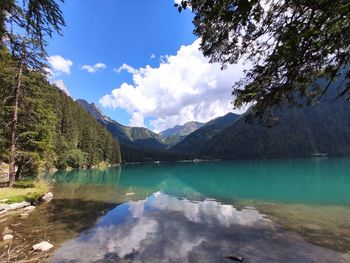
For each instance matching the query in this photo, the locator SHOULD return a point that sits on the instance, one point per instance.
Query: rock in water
(24, 215)
(29, 208)
(47, 197)
(42, 246)
(7, 231)
(3, 213)
(16, 206)
(7, 237)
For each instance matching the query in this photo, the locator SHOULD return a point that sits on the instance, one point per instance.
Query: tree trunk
(18, 172)
(13, 148)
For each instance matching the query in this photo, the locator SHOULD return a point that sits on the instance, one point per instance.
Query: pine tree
(36, 19)
(35, 121)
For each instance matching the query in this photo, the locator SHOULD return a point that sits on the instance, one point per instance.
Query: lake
(265, 211)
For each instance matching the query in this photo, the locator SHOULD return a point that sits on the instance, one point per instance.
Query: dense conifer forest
(53, 130)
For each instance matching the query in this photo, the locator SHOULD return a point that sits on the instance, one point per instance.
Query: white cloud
(183, 88)
(137, 120)
(60, 84)
(127, 68)
(94, 68)
(153, 56)
(59, 65)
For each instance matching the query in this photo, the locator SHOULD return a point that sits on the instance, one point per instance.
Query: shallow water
(265, 211)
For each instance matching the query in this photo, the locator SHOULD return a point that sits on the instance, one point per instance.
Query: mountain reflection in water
(163, 228)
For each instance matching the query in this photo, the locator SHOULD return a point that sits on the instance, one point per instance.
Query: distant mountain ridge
(133, 135)
(195, 140)
(182, 130)
(179, 132)
(141, 136)
(137, 144)
(321, 129)
(93, 110)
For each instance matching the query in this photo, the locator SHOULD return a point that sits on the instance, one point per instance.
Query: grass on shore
(29, 191)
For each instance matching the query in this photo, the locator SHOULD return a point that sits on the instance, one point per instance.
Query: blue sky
(109, 33)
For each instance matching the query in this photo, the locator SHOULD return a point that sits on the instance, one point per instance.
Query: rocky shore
(21, 210)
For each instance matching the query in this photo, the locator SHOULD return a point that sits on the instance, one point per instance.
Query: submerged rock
(7, 237)
(7, 231)
(29, 208)
(24, 215)
(47, 197)
(2, 213)
(3, 207)
(42, 246)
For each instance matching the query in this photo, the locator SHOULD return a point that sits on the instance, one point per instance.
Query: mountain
(182, 130)
(194, 141)
(178, 132)
(321, 128)
(92, 109)
(79, 140)
(137, 144)
(128, 135)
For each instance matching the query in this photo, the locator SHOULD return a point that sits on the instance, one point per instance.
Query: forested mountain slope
(52, 130)
(137, 144)
(178, 132)
(135, 136)
(321, 128)
(197, 139)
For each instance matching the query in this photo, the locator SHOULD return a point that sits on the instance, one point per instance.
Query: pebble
(47, 197)
(7, 237)
(43, 246)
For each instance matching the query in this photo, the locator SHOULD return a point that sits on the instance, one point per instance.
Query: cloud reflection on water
(163, 228)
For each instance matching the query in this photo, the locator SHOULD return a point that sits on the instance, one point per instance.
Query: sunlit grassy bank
(28, 190)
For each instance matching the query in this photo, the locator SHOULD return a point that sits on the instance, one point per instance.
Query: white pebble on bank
(47, 197)
(42, 246)
(7, 237)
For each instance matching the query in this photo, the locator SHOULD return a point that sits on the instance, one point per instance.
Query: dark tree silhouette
(290, 43)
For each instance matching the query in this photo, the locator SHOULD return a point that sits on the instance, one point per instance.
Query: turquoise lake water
(264, 211)
(318, 180)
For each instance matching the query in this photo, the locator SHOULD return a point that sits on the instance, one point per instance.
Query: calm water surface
(264, 211)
